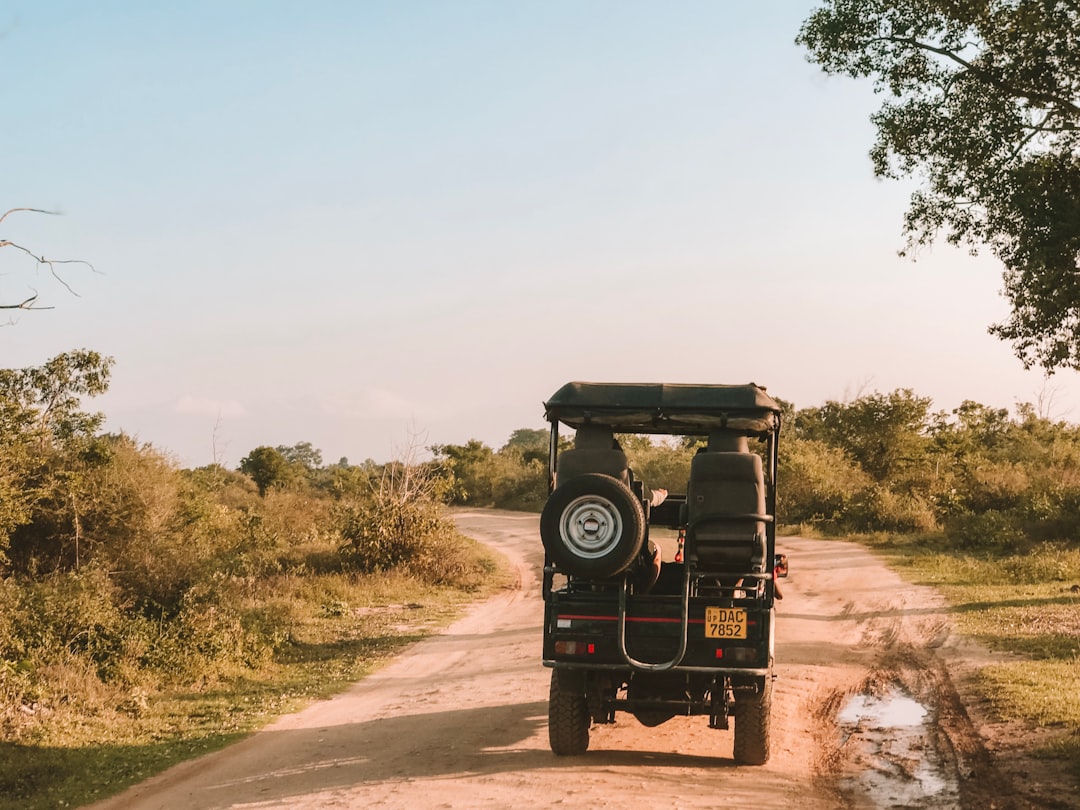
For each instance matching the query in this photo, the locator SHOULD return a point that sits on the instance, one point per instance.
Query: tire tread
(568, 720)
(752, 722)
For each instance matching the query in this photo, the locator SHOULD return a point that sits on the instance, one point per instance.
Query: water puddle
(894, 763)
(893, 710)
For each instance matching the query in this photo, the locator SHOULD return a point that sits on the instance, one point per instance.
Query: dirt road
(866, 714)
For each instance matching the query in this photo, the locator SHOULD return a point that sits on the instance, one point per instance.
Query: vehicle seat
(725, 501)
(594, 452)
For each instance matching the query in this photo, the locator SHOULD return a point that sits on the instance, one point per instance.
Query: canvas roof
(673, 408)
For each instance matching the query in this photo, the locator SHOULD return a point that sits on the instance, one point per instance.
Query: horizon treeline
(882, 462)
(977, 477)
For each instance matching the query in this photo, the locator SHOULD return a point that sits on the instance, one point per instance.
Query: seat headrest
(594, 437)
(725, 442)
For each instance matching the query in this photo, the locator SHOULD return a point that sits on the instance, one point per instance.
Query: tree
(43, 401)
(469, 468)
(302, 453)
(984, 109)
(530, 442)
(41, 418)
(528, 438)
(886, 434)
(267, 467)
(974, 428)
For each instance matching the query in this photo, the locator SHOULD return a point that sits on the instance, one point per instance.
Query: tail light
(575, 648)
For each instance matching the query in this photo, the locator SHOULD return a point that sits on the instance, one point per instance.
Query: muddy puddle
(894, 762)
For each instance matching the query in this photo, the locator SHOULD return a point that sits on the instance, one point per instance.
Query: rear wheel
(593, 526)
(752, 716)
(568, 719)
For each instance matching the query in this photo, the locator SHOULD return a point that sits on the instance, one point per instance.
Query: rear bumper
(590, 667)
(582, 632)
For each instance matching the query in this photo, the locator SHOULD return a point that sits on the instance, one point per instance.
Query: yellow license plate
(725, 622)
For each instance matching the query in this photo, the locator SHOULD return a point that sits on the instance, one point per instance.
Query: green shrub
(992, 530)
(817, 483)
(224, 625)
(519, 484)
(447, 558)
(1044, 562)
(878, 508)
(994, 486)
(74, 613)
(469, 470)
(388, 534)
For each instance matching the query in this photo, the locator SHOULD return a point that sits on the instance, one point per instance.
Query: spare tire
(593, 526)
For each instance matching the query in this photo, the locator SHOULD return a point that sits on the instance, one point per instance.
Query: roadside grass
(341, 627)
(1022, 602)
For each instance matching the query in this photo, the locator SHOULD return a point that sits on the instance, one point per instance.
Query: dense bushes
(390, 534)
(121, 574)
(514, 477)
(819, 483)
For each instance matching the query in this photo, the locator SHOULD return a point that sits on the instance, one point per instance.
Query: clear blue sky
(347, 222)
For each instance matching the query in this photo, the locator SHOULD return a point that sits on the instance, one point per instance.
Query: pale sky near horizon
(349, 223)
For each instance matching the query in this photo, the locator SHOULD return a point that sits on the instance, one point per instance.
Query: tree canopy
(983, 109)
(45, 400)
(268, 467)
(883, 433)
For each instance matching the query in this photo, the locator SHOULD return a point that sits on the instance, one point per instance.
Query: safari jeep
(623, 632)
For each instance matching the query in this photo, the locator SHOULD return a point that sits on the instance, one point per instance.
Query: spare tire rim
(590, 526)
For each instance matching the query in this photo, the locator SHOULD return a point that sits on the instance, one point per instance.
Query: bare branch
(27, 304)
(32, 210)
(51, 263)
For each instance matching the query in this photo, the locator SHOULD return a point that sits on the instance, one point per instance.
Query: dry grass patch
(85, 740)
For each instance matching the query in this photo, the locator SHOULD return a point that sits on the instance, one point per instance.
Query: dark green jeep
(623, 632)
